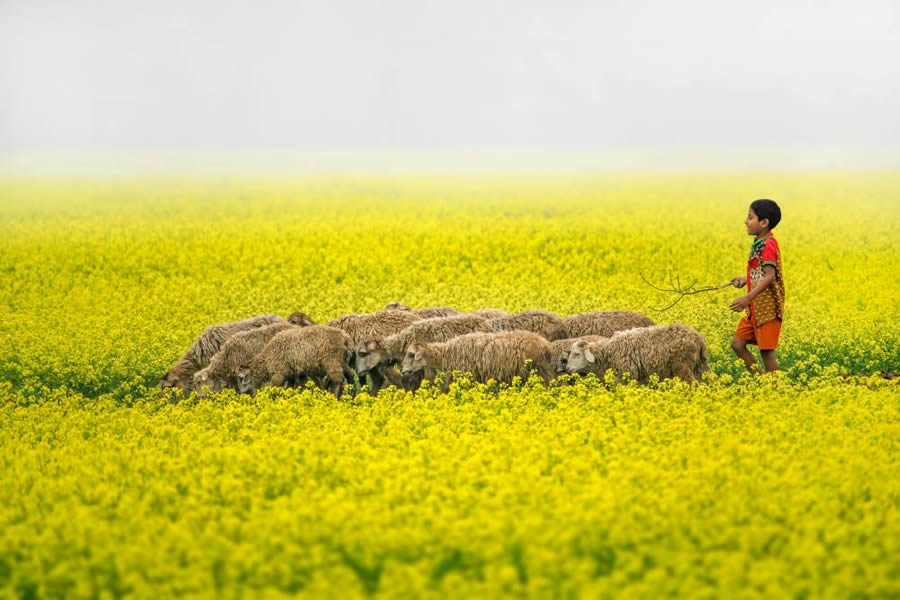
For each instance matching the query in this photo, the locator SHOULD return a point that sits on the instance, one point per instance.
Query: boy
(764, 301)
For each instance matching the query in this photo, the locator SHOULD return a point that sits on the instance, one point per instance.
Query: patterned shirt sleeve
(769, 255)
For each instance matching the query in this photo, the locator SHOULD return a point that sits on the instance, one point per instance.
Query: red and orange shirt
(768, 304)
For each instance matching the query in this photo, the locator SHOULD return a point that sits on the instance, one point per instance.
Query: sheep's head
(413, 360)
(560, 356)
(201, 382)
(172, 380)
(246, 382)
(580, 357)
(369, 355)
(397, 306)
(205, 384)
(301, 319)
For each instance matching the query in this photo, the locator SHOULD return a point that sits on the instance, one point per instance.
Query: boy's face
(754, 225)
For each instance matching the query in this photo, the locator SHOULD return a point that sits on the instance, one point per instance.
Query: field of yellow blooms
(777, 486)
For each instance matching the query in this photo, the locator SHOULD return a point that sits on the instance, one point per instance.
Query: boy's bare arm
(743, 302)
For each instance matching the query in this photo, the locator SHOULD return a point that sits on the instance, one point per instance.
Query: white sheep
(499, 356)
(382, 353)
(559, 350)
(665, 350)
(299, 353)
(205, 347)
(239, 349)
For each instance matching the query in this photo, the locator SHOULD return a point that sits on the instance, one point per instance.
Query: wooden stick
(681, 291)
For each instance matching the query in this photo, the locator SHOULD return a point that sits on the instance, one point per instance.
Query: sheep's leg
(353, 378)
(335, 373)
(377, 380)
(546, 373)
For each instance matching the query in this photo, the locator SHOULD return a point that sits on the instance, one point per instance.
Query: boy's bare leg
(769, 360)
(740, 348)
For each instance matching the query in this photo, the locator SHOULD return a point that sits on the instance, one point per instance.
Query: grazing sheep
(603, 323)
(491, 313)
(299, 352)
(559, 350)
(366, 326)
(666, 350)
(380, 353)
(500, 356)
(541, 322)
(301, 319)
(425, 313)
(239, 349)
(206, 346)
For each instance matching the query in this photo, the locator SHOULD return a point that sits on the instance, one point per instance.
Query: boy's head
(762, 217)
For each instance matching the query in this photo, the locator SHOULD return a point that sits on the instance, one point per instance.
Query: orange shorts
(765, 336)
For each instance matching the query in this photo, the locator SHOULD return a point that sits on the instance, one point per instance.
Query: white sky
(189, 75)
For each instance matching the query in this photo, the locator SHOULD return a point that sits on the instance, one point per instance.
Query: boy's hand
(742, 303)
(739, 282)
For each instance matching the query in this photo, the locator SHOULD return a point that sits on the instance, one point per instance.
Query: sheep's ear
(370, 345)
(418, 355)
(588, 354)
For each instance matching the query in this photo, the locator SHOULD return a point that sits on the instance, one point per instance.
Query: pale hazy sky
(470, 75)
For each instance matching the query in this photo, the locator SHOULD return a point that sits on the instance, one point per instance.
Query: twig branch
(681, 291)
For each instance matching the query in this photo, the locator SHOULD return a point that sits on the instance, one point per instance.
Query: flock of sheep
(489, 343)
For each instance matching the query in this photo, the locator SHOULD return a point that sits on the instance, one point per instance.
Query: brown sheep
(239, 349)
(205, 347)
(603, 323)
(666, 350)
(559, 350)
(299, 352)
(362, 327)
(383, 352)
(499, 356)
(541, 322)
(366, 326)
(301, 319)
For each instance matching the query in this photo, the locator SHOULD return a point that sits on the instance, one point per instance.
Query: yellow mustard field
(740, 486)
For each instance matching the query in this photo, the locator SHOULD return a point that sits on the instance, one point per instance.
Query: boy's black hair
(767, 209)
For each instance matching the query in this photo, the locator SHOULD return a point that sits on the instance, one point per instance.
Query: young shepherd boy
(764, 302)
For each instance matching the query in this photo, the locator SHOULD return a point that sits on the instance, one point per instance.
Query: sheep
(379, 352)
(362, 327)
(301, 319)
(559, 350)
(425, 313)
(205, 347)
(542, 322)
(299, 352)
(239, 349)
(603, 323)
(500, 356)
(666, 350)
